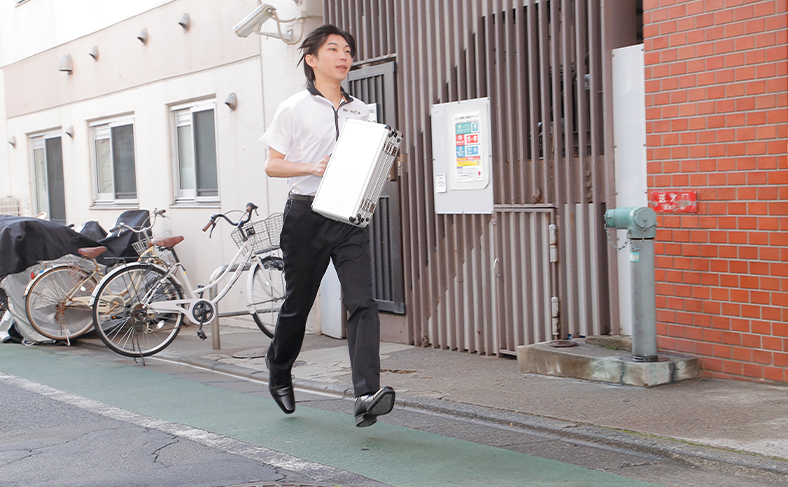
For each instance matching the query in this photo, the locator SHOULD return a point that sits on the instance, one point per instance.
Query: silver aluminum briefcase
(355, 174)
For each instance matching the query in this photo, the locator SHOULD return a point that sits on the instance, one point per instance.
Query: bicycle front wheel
(267, 293)
(121, 314)
(57, 302)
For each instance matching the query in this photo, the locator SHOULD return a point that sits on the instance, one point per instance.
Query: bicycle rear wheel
(120, 311)
(267, 293)
(57, 302)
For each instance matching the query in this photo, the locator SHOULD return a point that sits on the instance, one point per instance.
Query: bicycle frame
(80, 300)
(151, 254)
(187, 306)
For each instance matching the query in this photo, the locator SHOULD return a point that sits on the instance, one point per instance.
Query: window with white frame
(49, 185)
(194, 152)
(113, 156)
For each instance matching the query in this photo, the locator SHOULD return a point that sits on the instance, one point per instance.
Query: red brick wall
(717, 112)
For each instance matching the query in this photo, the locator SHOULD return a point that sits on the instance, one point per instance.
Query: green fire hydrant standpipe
(641, 226)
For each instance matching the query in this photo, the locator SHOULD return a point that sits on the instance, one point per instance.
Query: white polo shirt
(306, 127)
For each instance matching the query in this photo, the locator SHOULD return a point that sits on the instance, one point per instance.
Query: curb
(676, 449)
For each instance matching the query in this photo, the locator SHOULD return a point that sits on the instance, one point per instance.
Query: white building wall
(38, 25)
(5, 147)
(282, 77)
(206, 62)
(281, 74)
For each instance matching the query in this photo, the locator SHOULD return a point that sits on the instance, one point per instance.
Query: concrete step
(603, 364)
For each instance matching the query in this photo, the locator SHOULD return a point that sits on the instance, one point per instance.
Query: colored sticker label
(468, 161)
(674, 201)
(466, 127)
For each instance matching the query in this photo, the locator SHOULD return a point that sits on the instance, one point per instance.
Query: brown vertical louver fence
(539, 267)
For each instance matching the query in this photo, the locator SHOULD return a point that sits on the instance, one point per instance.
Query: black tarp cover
(119, 243)
(93, 229)
(26, 241)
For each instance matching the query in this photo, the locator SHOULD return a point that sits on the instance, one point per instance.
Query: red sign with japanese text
(674, 201)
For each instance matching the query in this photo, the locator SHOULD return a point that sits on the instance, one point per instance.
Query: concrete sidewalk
(738, 425)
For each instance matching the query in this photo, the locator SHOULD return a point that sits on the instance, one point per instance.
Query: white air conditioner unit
(9, 206)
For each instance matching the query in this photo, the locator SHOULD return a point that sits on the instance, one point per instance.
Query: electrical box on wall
(462, 157)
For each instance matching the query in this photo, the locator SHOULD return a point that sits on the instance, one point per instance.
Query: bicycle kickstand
(141, 357)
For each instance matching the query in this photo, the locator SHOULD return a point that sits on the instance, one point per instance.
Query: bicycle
(57, 299)
(139, 307)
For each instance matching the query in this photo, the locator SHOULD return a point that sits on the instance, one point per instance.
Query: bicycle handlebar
(155, 214)
(243, 221)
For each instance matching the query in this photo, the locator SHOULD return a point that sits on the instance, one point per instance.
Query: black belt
(301, 197)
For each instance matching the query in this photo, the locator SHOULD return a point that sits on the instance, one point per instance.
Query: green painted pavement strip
(392, 454)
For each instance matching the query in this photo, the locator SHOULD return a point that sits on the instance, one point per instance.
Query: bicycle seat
(167, 241)
(92, 252)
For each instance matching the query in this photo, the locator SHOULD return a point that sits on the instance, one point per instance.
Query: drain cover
(251, 353)
(563, 343)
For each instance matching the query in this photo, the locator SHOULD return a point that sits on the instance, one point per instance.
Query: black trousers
(308, 241)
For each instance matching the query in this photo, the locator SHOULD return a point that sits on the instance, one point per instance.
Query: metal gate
(524, 274)
(375, 86)
(484, 283)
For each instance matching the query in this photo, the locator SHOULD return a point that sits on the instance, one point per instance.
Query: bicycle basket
(144, 242)
(141, 245)
(263, 234)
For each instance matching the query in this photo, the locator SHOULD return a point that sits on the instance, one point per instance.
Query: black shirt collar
(316, 92)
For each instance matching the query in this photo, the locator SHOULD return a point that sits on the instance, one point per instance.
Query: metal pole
(641, 225)
(217, 343)
(644, 303)
(212, 294)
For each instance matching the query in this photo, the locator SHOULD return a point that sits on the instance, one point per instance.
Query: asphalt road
(96, 419)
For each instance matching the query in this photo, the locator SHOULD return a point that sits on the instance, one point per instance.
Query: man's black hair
(315, 40)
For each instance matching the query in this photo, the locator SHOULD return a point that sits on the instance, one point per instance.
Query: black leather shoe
(281, 388)
(370, 406)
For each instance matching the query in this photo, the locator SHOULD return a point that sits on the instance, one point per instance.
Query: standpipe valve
(640, 224)
(640, 221)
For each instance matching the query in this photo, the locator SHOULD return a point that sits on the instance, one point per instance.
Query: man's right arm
(277, 167)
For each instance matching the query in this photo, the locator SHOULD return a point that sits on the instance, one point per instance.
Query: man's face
(333, 59)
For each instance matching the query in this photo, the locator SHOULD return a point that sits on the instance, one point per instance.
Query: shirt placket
(336, 110)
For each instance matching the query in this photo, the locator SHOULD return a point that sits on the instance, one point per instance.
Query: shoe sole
(384, 406)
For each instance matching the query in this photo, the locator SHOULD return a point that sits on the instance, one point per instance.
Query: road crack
(157, 452)
(31, 454)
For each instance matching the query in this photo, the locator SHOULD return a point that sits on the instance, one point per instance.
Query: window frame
(40, 138)
(106, 199)
(187, 196)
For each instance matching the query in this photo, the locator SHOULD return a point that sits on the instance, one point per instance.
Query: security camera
(252, 22)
